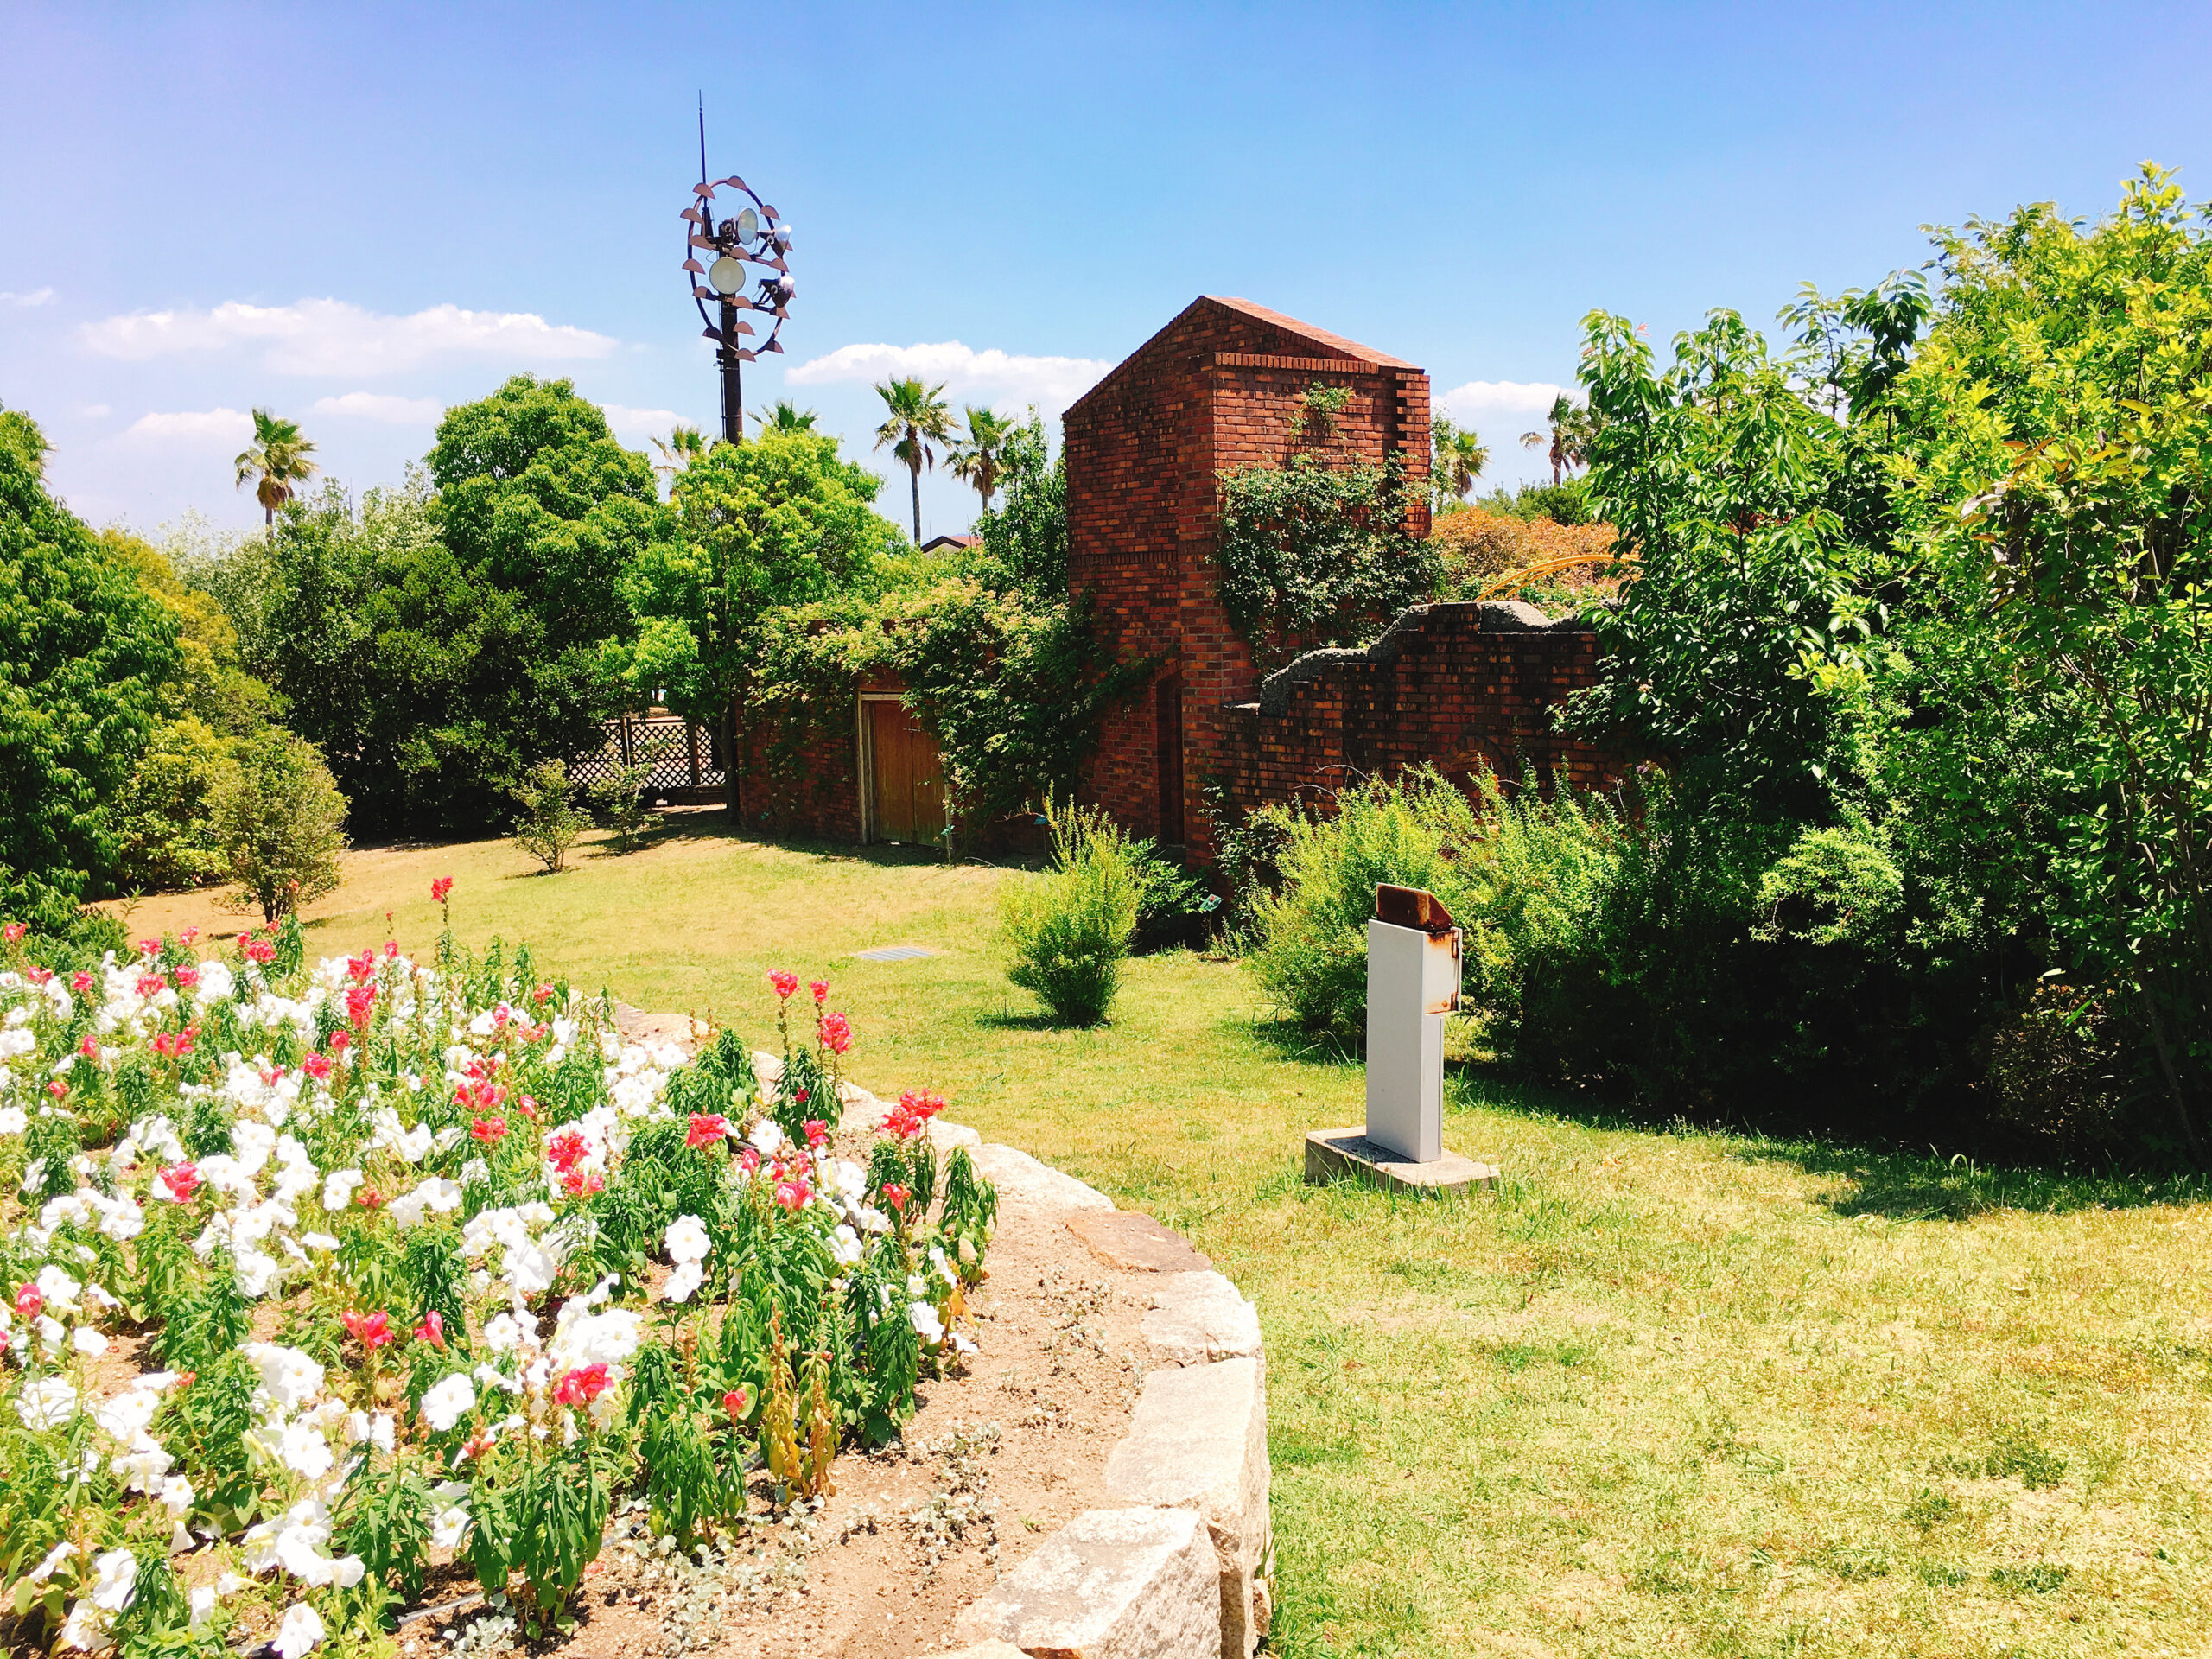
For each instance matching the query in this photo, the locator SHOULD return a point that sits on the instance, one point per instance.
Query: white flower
(176, 1494)
(116, 1572)
(87, 1629)
(125, 1417)
(446, 1529)
(581, 1339)
(684, 1282)
(845, 1245)
(300, 1631)
(443, 1405)
(57, 1286)
(768, 1137)
(338, 1189)
(48, 1403)
(927, 1321)
(60, 1552)
(319, 1241)
(475, 1171)
(256, 1271)
(290, 1376)
(377, 1430)
(306, 1454)
(687, 1239)
(203, 1601)
(88, 1342)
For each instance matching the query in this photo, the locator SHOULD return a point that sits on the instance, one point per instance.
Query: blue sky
(356, 217)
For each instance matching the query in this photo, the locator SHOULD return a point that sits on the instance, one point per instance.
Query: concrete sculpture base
(1348, 1155)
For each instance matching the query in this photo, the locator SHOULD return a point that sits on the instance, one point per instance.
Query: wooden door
(908, 777)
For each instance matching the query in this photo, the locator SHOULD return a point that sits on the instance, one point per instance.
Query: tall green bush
(1070, 928)
(279, 818)
(548, 820)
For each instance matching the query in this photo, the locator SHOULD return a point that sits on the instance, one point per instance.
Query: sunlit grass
(1669, 1392)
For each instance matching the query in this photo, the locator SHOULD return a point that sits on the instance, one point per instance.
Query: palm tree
(785, 417)
(279, 456)
(1572, 429)
(680, 449)
(918, 417)
(1460, 458)
(979, 456)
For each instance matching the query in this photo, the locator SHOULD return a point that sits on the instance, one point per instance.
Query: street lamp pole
(755, 235)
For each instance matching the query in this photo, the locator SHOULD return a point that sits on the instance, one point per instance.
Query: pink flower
(432, 1329)
(148, 947)
(581, 1183)
(359, 1000)
(567, 1149)
(13, 931)
(57, 1088)
(749, 1160)
(913, 1113)
(793, 1195)
(340, 1039)
(89, 1049)
(30, 1302)
(784, 984)
(187, 977)
(373, 1331)
(440, 888)
(819, 987)
(738, 1403)
(190, 936)
(150, 985)
(707, 1129)
(896, 1196)
(582, 1386)
(370, 1198)
(316, 1067)
(837, 1033)
(82, 983)
(181, 1180)
(817, 1133)
(488, 1130)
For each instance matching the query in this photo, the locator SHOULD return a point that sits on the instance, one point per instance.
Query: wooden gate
(906, 777)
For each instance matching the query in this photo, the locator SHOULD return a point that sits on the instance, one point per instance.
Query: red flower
(750, 1158)
(817, 1133)
(338, 1040)
(896, 1196)
(148, 947)
(738, 1402)
(316, 1067)
(541, 994)
(190, 936)
(440, 888)
(89, 1048)
(13, 931)
(370, 1198)
(150, 985)
(529, 1107)
(30, 1302)
(911, 1115)
(581, 1387)
(261, 952)
(82, 983)
(373, 1331)
(488, 1130)
(581, 1184)
(784, 984)
(819, 987)
(57, 1088)
(187, 977)
(391, 946)
(793, 1195)
(567, 1149)
(432, 1329)
(837, 1033)
(707, 1128)
(182, 1180)
(359, 1000)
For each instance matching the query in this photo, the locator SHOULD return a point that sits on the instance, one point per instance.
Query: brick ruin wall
(1464, 686)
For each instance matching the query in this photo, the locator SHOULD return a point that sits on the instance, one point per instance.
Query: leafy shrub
(1312, 953)
(165, 822)
(1070, 928)
(618, 804)
(1477, 547)
(276, 817)
(547, 822)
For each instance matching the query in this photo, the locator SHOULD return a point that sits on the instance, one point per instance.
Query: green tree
(978, 455)
(276, 463)
(279, 821)
(916, 418)
(1459, 456)
(1566, 439)
(783, 416)
(780, 520)
(84, 653)
(1025, 540)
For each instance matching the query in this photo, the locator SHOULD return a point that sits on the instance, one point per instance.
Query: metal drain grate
(894, 953)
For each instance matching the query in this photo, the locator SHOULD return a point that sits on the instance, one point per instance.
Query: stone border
(1185, 1568)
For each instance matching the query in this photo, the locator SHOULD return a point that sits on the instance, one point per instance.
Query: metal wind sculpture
(755, 236)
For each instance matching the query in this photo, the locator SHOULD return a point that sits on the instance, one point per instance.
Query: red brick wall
(1464, 686)
(1219, 387)
(801, 771)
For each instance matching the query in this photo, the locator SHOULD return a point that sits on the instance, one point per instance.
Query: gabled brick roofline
(1326, 344)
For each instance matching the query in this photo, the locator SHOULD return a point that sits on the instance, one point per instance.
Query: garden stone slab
(991, 1650)
(1197, 1317)
(1199, 1438)
(1024, 1182)
(1137, 1243)
(1112, 1584)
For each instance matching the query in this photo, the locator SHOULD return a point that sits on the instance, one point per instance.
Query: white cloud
(1053, 383)
(36, 296)
(336, 337)
(641, 421)
(387, 407)
(95, 411)
(193, 426)
(1480, 400)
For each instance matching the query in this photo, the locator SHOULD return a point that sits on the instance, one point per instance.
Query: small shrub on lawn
(618, 805)
(1070, 929)
(549, 822)
(279, 818)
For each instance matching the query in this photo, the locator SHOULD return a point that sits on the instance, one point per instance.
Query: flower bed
(330, 1279)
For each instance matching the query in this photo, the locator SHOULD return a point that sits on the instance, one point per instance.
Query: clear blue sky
(355, 218)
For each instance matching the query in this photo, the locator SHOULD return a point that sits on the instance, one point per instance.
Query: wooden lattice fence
(678, 752)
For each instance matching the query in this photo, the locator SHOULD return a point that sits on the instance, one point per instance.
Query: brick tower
(1220, 387)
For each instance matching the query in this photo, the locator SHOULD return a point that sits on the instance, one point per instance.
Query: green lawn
(1671, 1392)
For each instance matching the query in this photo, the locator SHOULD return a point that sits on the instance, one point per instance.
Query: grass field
(1671, 1392)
